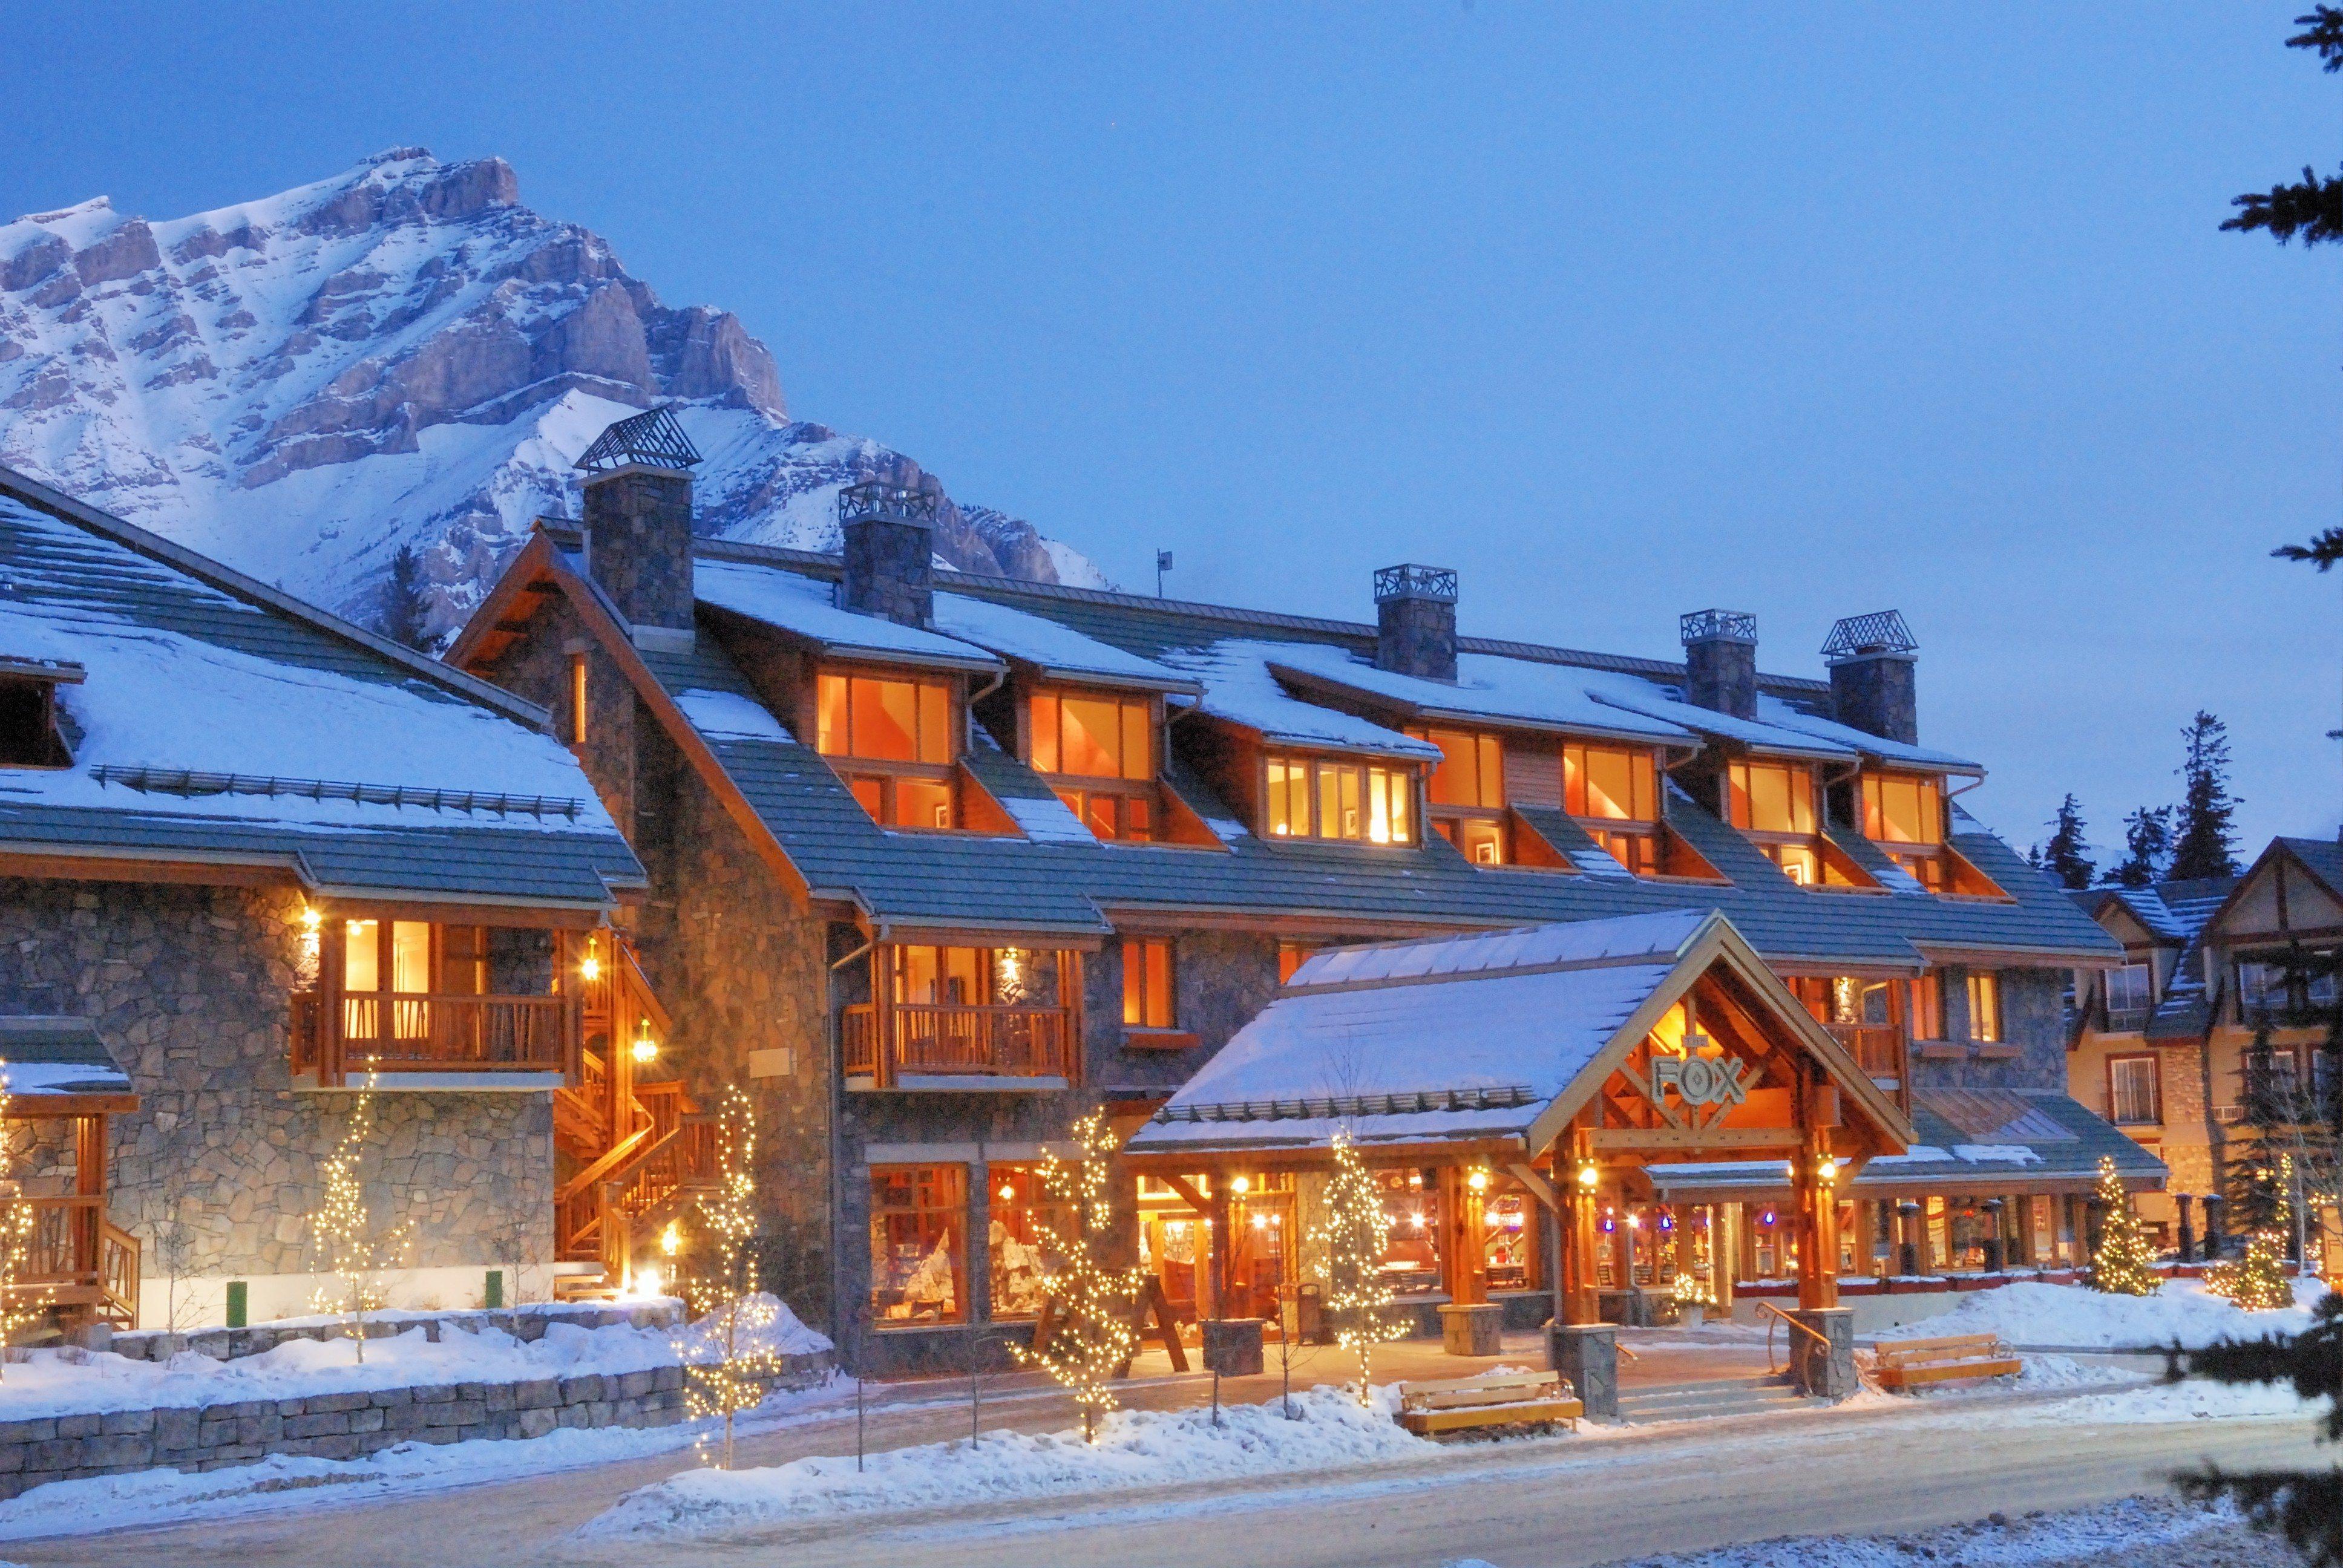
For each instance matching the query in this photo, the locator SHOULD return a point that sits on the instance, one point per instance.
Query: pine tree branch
(2311, 209)
(2323, 31)
(2324, 550)
(2303, 1506)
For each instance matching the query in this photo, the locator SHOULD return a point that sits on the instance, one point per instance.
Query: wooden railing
(409, 1033)
(946, 1041)
(75, 1257)
(1877, 1048)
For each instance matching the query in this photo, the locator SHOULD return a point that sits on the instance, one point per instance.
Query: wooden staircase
(643, 1151)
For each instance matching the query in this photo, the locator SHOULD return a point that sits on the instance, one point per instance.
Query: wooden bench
(1482, 1403)
(1907, 1363)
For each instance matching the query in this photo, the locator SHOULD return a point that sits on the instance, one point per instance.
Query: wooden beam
(1741, 1140)
(1188, 1193)
(1529, 1177)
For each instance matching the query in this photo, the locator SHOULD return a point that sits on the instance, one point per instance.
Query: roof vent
(650, 440)
(1862, 636)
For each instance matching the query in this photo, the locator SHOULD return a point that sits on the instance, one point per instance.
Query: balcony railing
(75, 1257)
(941, 1040)
(412, 1032)
(1877, 1048)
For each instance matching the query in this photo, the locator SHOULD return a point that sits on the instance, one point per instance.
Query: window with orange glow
(1290, 957)
(944, 977)
(1314, 798)
(918, 1220)
(882, 720)
(1466, 797)
(1093, 736)
(1147, 983)
(1773, 804)
(1984, 1006)
(1903, 808)
(578, 700)
(1615, 783)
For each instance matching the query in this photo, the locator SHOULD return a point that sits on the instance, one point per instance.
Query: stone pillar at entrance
(1822, 1362)
(1588, 1355)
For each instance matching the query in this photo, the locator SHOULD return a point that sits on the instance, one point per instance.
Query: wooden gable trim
(2276, 858)
(537, 556)
(81, 864)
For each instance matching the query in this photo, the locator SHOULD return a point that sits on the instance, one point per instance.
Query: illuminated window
(2131, 1091)
(1925, 1000)
(1112, 815)
(1773, 804)
(417, 961)
(1025, 1228)
(918, 1221)
(1639, 853)
(903, 725)
(1901, 808)
(1984, 1006)
(578, 700)
(943, 976)
(1466, 793)
(1099, 754)
(1291, 955)
(1324, 798)
(1147, 983)
(1480, 840)
(1612, 782)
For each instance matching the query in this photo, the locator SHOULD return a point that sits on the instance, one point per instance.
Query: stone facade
(1415, 634)
(1721, 675)
(2032, 1050)
(638, 533)
(191, 987)
(890, 564)
(1879, 694)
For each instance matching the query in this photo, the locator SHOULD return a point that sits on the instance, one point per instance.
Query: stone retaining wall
(526, 1324)
(346, 1425)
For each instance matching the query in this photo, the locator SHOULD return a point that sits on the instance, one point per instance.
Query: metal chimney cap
(1862, 636)
(1408, 580)
(1717, 626)
(650, 440)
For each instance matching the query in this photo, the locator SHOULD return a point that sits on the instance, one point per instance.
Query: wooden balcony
(76, 1259)
(918, 1041)
(402, 1032)
(1877, 1048)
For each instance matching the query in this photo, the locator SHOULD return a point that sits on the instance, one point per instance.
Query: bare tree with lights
(1351, 1241)
(729, 1354)
(1093, 1293)
(355, 1251)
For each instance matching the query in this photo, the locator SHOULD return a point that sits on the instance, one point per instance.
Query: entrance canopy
(1639, 1040)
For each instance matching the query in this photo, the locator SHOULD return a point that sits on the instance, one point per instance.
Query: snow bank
(2129, 1524)
(1135, 1449)
(2082, 1318)
(56, 1382)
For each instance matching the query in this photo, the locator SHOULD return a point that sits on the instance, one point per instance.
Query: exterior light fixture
(589, 968)
(645, 1048)
(1667, 1222)
(1478, 1180)
(647, 1282)
(1007, 1193)
(1240, 1185)
(1589, 1176)
(1767, 1218)
(311, 919)
(1635, 1220)
(671, 1238)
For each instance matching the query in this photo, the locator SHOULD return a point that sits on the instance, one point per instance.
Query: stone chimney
(1874, 675)
(638, 523)
(1721, 660)
(1415, 621)
(891, 548)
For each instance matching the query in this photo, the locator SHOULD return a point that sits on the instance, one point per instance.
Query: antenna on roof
(1163, 565)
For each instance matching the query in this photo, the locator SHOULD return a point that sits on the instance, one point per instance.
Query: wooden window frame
(1875, 817)
(1923, 1004)
(1448, 817)
(1986, 1030)
(2154, 1089)
(1400, 783)
(953, 1224)
(1080, 790)
(578, 693)
(885, 774)
(1138, 998)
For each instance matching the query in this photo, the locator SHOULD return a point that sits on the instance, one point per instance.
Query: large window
(1320, 798)
(2131, 1091)
(1099, 754)
(1924, 1002)
(1984, 1006)
(1467, 793)
(918, 1218)
(406, 960)
(1023, 1231)
(2128, 989)
(892, 739)
(1614, 791)
(1147, 983)
(1901, 808)
(947, 977)
(1773, 804)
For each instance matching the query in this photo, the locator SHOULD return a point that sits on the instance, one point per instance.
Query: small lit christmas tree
(729, 1354)
(21, 1305)
(2122, 1265)
(2257, 1282)
(1351, 1242)
(1091, 1291)
(353, 1252)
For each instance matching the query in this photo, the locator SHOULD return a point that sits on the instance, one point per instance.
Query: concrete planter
(1473, 1331)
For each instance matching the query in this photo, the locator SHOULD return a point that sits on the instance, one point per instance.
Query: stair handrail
(1807, 1329)
(603, 1163)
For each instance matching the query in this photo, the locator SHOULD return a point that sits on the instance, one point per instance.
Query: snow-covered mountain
(402, 353)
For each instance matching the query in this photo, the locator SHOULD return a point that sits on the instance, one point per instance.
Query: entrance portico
(1563, 1060)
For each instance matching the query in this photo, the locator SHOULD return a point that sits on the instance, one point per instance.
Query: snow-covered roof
(44, 1056)
(1781, 715)
(1056, 650)
(1511, 692)
(210, 712)
(808, 608)
(1240, 687)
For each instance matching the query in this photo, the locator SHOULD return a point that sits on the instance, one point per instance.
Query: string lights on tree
(2121, 1265)
(1092, 1292)
(21, 1303)
(729, 1354)
(1349, 1242)
(2257, 1282)
(355, 1252)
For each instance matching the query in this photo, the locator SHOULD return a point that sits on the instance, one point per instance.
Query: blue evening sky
(1805, 310)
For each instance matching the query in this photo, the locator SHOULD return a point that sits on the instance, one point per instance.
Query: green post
(238, 1291)
(494, 1296)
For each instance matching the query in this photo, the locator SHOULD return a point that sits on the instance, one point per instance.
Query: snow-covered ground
(61, 1382)
(1135, 1449)
(2157, 1528)
(2077, 1317)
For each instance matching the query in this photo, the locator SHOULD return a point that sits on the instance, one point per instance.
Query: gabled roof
(2177, 914)
(1487, 690)
(221, 723)
(1502, 1036)
(805, 610)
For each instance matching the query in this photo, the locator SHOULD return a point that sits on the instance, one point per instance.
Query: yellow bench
(1907, 1363)
(1475, 1403)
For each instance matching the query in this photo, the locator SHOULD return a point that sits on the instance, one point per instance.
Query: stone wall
(2032, 1021)
(347, 1425)
(190, 986)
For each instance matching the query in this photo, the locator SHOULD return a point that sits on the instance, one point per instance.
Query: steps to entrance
(587, 1285)
(1719, 1397)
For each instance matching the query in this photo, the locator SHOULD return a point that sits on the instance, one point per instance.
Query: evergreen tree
(2206, 842)
(2065, 854)
(403, 613)
(2123, 1263)
(2148, 838)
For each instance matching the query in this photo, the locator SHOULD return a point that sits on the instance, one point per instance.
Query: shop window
(2132, 1098)
(1290, 957)
(1984, 1006)
(1900, 808)
(1147, 983)
(1022, 1238)
(1318, 798)
(918, 1215)
(1412, 1256)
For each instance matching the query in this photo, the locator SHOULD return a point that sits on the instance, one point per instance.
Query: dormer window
(1467, 793)
(1098, 752)
(1904, 810)
(1331, 797)
(1773, 804)
(28, 712)
(1614, 791)
(890, 739)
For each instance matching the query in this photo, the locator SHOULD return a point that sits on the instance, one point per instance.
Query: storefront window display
(1024, 1223)
(1412, 1262)
(918, 1254)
